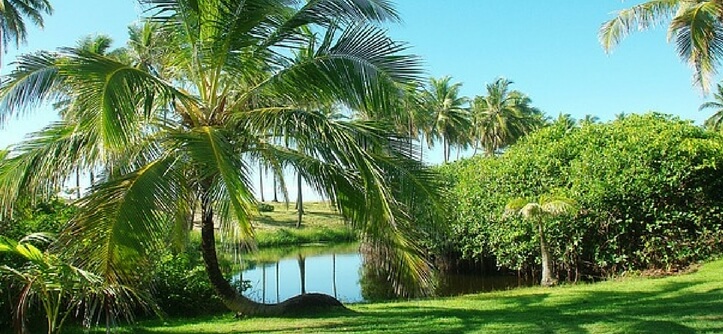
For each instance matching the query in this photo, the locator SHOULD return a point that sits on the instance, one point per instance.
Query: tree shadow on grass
(670, 307)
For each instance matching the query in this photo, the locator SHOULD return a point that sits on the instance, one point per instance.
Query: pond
(278, 274)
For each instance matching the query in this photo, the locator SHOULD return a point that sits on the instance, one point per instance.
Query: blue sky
(548, 48)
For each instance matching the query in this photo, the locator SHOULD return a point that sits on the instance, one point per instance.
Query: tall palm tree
(714, 121)
(696, 28)
(538, 212)
(451, 119)
(229, 96)
(12, 19)
(502, 116)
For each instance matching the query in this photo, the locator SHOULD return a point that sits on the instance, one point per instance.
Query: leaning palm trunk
(237, 302)
(237, 84)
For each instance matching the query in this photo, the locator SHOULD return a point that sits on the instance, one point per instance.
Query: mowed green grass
(689, 303)
(320, 224)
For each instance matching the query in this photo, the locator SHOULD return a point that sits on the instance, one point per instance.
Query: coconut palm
(502, 116)
(230, 95)
(538, 212)
(451, 118)
(714, 121)
(12, 19)
(696, 28)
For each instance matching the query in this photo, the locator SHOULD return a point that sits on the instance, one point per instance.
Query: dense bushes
(648, 187)
(181, 286)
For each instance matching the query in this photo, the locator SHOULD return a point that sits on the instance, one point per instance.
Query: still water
(337, 271)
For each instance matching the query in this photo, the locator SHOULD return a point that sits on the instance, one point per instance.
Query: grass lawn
(689, 303)
(321, 223)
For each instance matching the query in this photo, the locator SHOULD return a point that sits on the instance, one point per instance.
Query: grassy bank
(320, 224)
(689, 303)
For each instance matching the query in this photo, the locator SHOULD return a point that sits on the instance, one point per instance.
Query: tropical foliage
(538, 212)
(450, 120)
(715, 121)
(502, 116)
(694, 26)
(179, 132)
(647, 188)
(62, 289)
(13, 14)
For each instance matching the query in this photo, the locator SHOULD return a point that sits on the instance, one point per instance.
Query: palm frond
(638, 17)
(125, 220)
(698, 35)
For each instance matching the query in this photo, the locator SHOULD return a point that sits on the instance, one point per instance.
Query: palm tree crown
(451, 118)
(714, 121)
(12, 14)
(695, 27)
(502, 116)
(233, 86)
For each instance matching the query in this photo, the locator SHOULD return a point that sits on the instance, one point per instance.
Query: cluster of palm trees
(436, 112)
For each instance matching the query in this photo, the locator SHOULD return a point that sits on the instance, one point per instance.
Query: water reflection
(277, 275)
(305, 270)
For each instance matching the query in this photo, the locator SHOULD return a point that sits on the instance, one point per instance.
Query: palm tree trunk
(546, 259)
(302, 272)
(276, 198)
(229, 296)
(77, 183)
(261, 181)
(445, 148)
(299, 201)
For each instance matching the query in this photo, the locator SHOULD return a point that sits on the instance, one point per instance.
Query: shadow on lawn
(667, 309)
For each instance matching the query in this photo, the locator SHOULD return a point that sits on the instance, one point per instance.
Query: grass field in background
(320, 224)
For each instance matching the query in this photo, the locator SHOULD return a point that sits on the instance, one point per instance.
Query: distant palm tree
(538, 212)
(566, 121)
(502, 116)
(696, 27)
(589, 119)
(714, 121)
(12, 19)
(451, 119)
(186, 134)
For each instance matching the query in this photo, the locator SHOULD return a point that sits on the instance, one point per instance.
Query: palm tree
(502, 116)
(714, 121)
(696, 28)
(451, 119)
(566, 121)
(228, 96)
(12, 16)
(588, 119)
(538, 212)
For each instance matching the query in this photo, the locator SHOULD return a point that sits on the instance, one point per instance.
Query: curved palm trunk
(546, 259)
(230, 297)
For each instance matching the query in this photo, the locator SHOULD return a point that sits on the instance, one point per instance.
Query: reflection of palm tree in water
(333, 274)
(302, 272)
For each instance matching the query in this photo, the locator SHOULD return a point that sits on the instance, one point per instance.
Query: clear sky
(548, 48)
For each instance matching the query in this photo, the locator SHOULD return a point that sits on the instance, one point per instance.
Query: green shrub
(27, 219)
(182, 288)
(649, 189)
(263, 207)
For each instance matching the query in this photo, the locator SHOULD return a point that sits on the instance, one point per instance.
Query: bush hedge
(649, 188)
